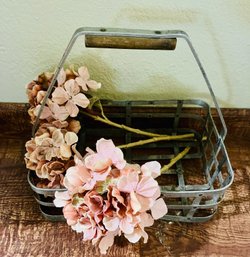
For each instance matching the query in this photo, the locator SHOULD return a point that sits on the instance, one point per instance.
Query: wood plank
(14, 120)
(130, 43)
(24, 232)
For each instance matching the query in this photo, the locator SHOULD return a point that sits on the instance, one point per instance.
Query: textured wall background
(34, 34)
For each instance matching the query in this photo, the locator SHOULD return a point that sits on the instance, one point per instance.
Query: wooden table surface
(24, 232)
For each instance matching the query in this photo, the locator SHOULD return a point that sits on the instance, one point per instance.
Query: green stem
(134, 130)
(175, 159)
(154, 139)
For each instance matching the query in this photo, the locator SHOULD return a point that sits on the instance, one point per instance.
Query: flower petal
(83, 72)
(40, 139)
(63, 195)
(93, 84)
(147, 187)
(71, 138)
(146, 220)
(76, 176)
(105, 146)
(152, 168)
(135, 204)
(159, 209)
(106, 242)
(146, 203)
(126, 226)
(57, 137)
(157, 194)
(61, 198)
(128, 183)
(116, 193)
(145, 236)
(40, 96)
(97, 162)
(74, 126)
(61, 77)
(111, 223)
(65, 151)
(81, 100)
(60, 96)
(101, 176)
(46, 113)
(135, 236)
(89, 234)
(97, 237)
(108, 149)
(72, 87)
(118, 158)
(70, 214)
(78, 227)
(71, 108)
(59, 112)
(82, 83)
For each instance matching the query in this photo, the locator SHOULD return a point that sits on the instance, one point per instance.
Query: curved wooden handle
(123, 42)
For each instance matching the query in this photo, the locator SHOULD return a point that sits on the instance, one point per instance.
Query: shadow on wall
(156, 14)
(155, 87)
(222, 63)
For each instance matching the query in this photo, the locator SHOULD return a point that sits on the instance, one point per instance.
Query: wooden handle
(123, 42)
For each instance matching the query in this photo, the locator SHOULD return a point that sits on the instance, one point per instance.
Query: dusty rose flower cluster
(66, 98)
(49, 153)
(107, 197)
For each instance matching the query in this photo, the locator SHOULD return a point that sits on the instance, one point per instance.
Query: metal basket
(196, 184)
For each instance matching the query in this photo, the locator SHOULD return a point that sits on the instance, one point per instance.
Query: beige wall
(34, 34)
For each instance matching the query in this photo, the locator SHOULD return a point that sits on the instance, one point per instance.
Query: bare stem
(99, 105)
(175, 159)
(154, 139)
(134, 130)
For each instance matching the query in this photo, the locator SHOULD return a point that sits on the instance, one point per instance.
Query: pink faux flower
(83, 80)
(52, 111)
(107, 197)
(51, 169)
(49, 153)
(145, 221)
(71, 96)
(78, 179)
(144, 191)
(107, 155)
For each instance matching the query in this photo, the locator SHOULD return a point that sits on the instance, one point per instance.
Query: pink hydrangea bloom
(107, 155)
(125, 201)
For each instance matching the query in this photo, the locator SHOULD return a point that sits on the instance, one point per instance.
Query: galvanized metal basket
(196, 184)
